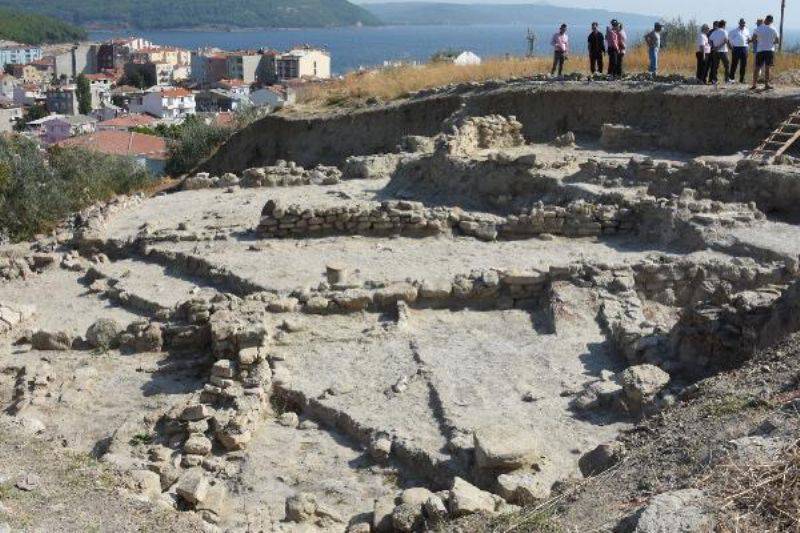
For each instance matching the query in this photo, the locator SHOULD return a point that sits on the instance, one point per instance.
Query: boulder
(382, 514)
(301, 507)
(416, 496)
(197, 444)
(523, 488)
(466, 499)
(679, 511)
(500, 449)
(641, 383)
(103, 334)
(192, 485)
(601, 458)
(406, 517)
(146, 483)
(51, 340)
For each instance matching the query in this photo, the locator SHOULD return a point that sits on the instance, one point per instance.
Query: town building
(62, 100)
(19, 54)
(213, 100)
(28, 94)
(173, 103)
(149, 151)
(61, 127)
(69, 61)
(127, 122)
(100, 89)
(304, 62)
(10, 116)
(272, 97)
(29, 73)
(7, 85)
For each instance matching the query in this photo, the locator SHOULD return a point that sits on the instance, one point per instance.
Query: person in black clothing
(597, 47)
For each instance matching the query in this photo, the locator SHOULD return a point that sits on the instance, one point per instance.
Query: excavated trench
(448, 329)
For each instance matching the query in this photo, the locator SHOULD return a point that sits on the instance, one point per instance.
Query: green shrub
(679, 34)
(38, 190)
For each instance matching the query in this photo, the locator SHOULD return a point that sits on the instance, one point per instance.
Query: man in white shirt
(766, 38)
(739, 39)
(719, 52)
(702, 51)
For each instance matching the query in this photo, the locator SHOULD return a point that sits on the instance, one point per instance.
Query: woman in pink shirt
(612, 47)
(560, 42)
(623, 39)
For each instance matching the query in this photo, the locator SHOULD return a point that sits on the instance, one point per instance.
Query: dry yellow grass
(394, 83)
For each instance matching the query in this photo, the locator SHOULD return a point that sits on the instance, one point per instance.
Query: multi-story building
(62, 100)
(71, 61)
(100, 88)
(19, 54)
(10, 116)
(27, 73)
(7, 85)
(304, 62)
(155, 54)
(172, 103)
(251, 67)
(114, 54)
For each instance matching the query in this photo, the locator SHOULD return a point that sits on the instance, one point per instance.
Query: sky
(701, 10)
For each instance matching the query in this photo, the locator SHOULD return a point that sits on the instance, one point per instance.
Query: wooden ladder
(779, 140)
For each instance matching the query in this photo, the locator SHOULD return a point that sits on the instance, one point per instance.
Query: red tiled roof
(98, 77)
(129, 121)
(175, 93)
(121, 143)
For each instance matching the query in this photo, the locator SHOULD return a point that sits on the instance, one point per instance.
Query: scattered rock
(641, 383)
(682, 511)
(46, 340)
(192, 485)
(466, 498)
(289, 419)
(103, 334)
(301, 507)
(28, 482)
(600, 459)
(500, 449)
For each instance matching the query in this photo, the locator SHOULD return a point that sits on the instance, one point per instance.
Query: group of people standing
(716, 42)
(713, 46)
(614, 43)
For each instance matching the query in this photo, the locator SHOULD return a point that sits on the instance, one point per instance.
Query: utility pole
(783, 11)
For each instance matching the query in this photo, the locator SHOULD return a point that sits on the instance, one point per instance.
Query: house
(100, 89)
(62, 127)
(10, 115)
(28, 94)
(114, 54)
(174, 103)
(149, 151)
(273, 97)
(7, 85)
(106, 111)
(304, 62)
(62, 100)
(209, 65)
(19, 54)
(126, 122)
(213, 100)
(27, 73)
(233, 86)
(467, 58)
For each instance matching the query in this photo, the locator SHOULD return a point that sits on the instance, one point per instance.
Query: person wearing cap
(612, 47)
(653, 40)
(766, 38)
(719, 52)
(702, 51)
(560, 43)
(739, 39)
(597, 48)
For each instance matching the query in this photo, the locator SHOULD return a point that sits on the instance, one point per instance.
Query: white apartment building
(173, 103)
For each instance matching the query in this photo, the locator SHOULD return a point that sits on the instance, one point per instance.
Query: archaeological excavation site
(491, 307)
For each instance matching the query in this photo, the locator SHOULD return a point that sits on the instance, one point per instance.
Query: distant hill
(30, 28)
(168, 14)
(427, 13)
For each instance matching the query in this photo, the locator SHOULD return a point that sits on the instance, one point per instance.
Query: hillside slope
(402, 13)
(155, 14)
(31, 28)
